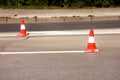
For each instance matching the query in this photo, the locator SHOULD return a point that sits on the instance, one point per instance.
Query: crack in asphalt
(3, 48)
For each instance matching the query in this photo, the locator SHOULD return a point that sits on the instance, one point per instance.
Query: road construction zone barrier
(91, 46)
(23, 31)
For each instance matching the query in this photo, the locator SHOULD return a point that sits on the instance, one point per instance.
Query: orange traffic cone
(91, 47)
(22, 29)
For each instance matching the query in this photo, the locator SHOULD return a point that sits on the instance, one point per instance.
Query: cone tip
(22, 21)
(91, 32)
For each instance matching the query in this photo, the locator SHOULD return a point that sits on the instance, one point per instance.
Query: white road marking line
(71, 32)
(76, 32)
(44, 52)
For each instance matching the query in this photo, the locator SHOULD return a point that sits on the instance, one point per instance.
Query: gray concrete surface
(58, 15)
(59, 12)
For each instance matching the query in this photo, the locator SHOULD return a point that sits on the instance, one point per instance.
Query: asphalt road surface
(104, 65)
(61, 26)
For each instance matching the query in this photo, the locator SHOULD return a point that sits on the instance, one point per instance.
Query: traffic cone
(91, 47)
(22, 29)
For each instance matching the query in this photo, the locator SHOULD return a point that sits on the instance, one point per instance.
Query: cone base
(91, 51)
(22, 34)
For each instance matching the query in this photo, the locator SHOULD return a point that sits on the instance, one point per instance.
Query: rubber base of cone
(91, 51)
(22, 34)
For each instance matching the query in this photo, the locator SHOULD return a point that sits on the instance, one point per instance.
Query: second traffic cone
(22, 29)
(91, 47)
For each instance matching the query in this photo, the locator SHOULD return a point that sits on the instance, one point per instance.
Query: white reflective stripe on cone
(22, 26)
(91, 40)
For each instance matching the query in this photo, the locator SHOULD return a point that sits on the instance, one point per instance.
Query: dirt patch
(57, 19)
